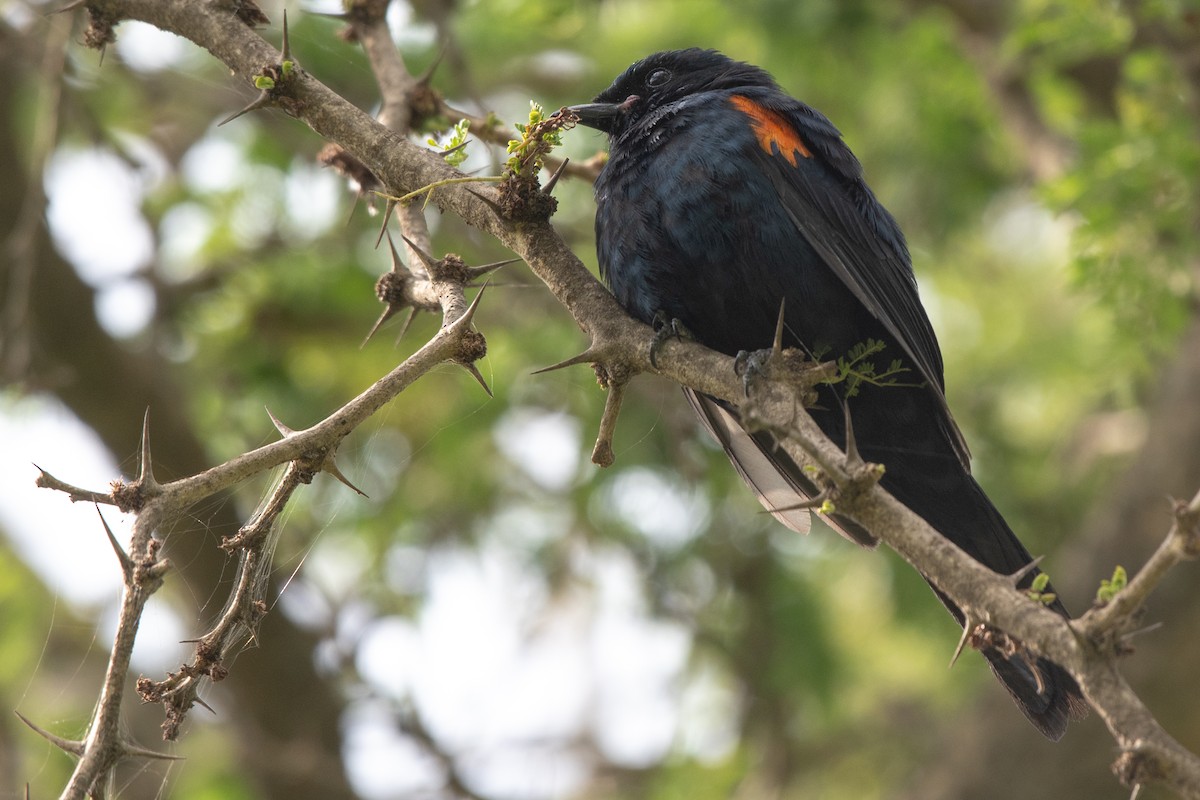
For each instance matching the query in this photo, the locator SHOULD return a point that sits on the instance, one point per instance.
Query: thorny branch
(1112, 620)
(618, 346)
(309, 451)
(401, 93)
(1148, 753)
(243, 611)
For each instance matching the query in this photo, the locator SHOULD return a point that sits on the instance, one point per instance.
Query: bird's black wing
(825, 196)
(781, 486)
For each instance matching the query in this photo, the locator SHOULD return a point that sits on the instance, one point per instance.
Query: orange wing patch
(771, 128)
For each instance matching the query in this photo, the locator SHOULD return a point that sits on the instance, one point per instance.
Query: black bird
(724, 197)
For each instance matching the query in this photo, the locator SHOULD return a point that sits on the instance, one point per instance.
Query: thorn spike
(469, 314)
(586, 357)
(146, 470)
(284, 430)
(263, 99)
(387, 314)
(397, 262)
(804, 505)
(968, 626)
(429, 260)
(497, 284)
(330, 467)
(476, 272)
(777, 347)
(427, 75)
(471, 368)
(412, 314)
(66, 745)
(1024, 571)
(142, 752)
(853, 458)
(387, 216)
(492, 204)
(286, 48)
(549, 187)
(122, 556)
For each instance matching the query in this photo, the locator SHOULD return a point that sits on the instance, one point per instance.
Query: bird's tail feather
(1045, 692)
(780, 485)
(952, 503)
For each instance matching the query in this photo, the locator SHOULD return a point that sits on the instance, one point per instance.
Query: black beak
(603, 116)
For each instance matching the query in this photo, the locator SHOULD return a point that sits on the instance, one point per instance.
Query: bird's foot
(666, 328)
(789, 365)
(750, 365)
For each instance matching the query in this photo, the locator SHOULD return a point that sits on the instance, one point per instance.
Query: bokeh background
(501, 619)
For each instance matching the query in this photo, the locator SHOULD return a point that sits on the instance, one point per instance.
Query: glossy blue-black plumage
(702, 217)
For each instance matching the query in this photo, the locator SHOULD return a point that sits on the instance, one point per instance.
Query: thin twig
(1180, 544)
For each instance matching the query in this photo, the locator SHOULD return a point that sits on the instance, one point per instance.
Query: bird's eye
(658, 78)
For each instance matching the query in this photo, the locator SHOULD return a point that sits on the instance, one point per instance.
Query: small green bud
(1111, 586)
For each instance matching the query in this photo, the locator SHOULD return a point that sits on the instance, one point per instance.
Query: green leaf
(455, 141)
(1109, 587)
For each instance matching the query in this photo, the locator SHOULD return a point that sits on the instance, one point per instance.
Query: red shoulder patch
(772, 128)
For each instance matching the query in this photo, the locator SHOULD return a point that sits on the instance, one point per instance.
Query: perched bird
(724, 197)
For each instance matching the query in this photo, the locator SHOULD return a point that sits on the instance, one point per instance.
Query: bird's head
(664, 78)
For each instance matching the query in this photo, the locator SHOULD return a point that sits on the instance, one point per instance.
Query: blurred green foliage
(1055, 297)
